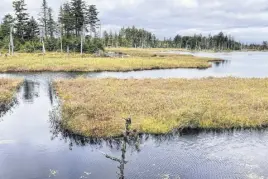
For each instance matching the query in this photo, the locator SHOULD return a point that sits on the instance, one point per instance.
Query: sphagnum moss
(60, 62)
(7, 89)
(96, 107)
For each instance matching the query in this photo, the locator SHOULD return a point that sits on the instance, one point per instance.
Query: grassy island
(96, 107)
(136, 59)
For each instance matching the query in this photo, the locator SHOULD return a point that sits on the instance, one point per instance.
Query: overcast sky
(246, 20)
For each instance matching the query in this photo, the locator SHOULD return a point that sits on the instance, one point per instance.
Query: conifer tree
(32, 31)
(43, 17)
(22, 18)
(92, 18)
(78, 14)
(8, 20)
(51, 24)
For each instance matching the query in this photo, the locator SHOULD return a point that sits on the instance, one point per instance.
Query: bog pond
(33, 146)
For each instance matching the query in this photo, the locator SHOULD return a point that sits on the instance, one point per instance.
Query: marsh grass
(138, 60)
(7, 89)
(147, 52)
(97, 107)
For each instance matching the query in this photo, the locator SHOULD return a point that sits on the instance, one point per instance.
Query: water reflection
(5, 108)
(30, 91)
(129, 141)
(221, 63)
(51, 93)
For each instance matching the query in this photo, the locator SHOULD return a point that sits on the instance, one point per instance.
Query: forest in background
(77, 25)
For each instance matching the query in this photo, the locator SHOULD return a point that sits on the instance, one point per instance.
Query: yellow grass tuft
(7, 89)
(96, 107)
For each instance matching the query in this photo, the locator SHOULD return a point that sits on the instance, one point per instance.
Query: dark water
(33, 146)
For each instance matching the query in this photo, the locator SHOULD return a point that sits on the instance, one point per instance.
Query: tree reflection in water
(5, 108)
(127, 136)
(30, 90)
(130, 139)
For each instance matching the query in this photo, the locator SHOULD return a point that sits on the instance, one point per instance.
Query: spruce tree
(22, 18)
(106, 38)
(51, 24)
(43, 16)
(77, 10)
(8, 20)
(92, 18)
(67, 19)
(32, 31)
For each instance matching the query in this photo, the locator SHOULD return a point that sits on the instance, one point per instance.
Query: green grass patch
(97, 107)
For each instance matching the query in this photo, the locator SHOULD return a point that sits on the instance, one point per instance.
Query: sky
(246, 20)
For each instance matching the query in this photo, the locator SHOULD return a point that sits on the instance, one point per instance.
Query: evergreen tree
(8, 20)
(32, 29)
(66, 33)
(67, 19)
(43, 19)
(92, 18)
(77, 10)
(60, 22)
(22, 18)
(51, 24)
(106, 38)
(130, 37)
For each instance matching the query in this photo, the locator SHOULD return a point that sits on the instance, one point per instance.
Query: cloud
(185, 3)
(247, 20)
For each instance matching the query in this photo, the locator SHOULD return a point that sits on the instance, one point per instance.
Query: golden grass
(161, 52)
(96, 107)
(148, 52)
(7, 89)
(137, 61)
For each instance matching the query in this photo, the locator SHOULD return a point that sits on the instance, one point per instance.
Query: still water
(236, 64)
(33, 146)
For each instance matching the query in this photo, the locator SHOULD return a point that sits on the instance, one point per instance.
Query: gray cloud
(247, 20)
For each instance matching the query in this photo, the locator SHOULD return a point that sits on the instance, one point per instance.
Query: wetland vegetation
(142, 60)
(8, 88)
(96, 107)
(108, 122)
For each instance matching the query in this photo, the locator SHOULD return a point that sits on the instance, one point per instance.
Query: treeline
(130, 37)
(257, 47)
(76, 20)
(140, 38)
(217, 42)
